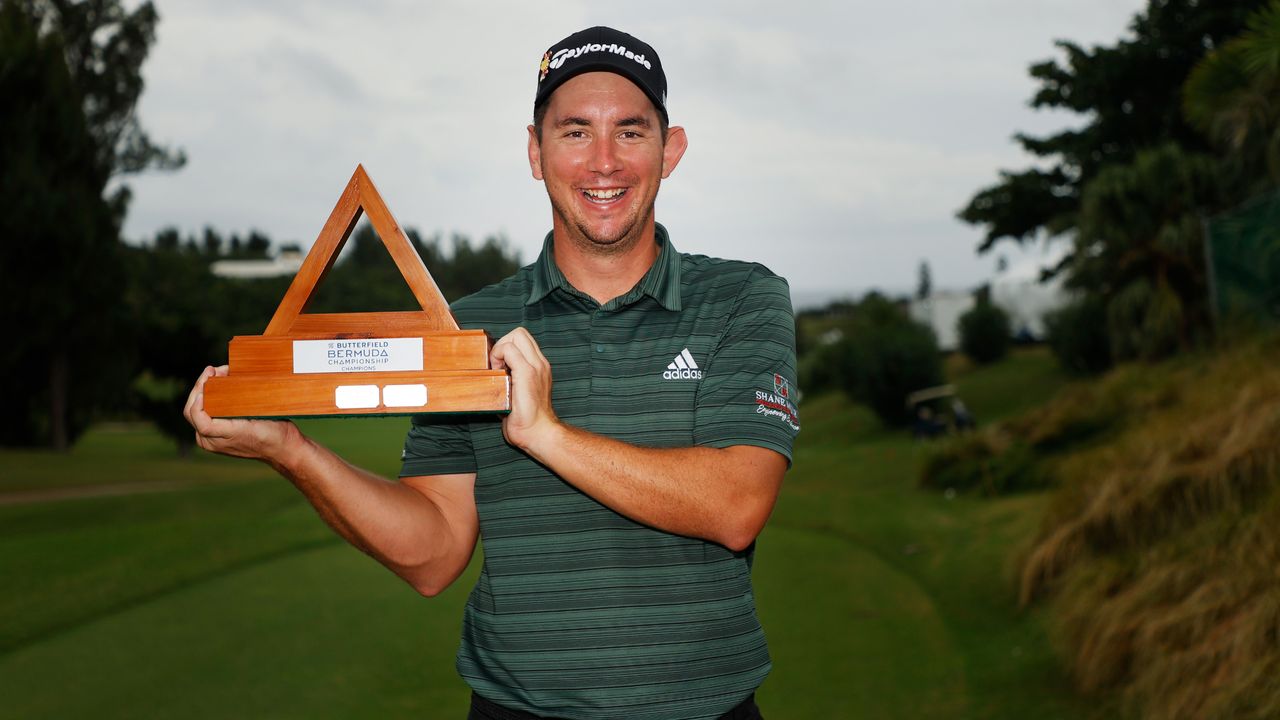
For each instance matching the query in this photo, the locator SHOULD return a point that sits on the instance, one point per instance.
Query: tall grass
(1160, 555)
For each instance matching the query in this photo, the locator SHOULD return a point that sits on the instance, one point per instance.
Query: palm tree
(1233, 96)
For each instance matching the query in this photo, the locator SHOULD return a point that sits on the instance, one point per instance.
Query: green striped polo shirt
(580, 612)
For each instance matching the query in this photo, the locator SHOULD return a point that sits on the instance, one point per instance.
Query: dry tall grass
(1161, 553)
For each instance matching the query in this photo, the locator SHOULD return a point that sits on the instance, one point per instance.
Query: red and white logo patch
(777, 404)
(781, 386)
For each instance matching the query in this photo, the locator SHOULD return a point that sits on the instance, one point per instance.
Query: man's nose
(604, 156)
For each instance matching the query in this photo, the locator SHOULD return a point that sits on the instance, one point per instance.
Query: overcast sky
(831, 141)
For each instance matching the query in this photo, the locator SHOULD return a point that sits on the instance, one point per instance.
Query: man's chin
(613, 242)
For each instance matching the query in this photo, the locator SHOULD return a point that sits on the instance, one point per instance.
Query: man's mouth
(603, 196)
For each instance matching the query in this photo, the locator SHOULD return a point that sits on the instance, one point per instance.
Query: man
(650, 428)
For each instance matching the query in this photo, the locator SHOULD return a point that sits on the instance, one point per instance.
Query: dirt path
(41, 495)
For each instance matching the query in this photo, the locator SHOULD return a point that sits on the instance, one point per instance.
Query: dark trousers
(482, 709)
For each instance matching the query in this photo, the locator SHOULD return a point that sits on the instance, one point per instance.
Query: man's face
(602, 158)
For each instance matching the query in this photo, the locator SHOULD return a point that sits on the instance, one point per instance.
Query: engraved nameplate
(355, 397)
(403, 396)
(358, 355)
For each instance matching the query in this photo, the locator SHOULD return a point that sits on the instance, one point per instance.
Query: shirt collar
(661, 282)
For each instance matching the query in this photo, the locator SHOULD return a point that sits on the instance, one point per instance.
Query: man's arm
(723, 495)
(423, 529)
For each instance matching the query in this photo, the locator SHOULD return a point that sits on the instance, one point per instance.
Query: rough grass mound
(1161, 553)
(1023, 453)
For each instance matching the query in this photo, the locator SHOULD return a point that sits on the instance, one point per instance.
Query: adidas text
(682, 368)
(682, 374)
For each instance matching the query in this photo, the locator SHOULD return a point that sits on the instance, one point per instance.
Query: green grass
(931, 562)
(231, 598)
(1026, 378)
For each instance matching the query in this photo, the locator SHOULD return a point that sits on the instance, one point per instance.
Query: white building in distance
(285, 263)
(1017, 290)
(941, 311)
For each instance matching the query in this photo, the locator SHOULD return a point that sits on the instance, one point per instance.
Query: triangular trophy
(375, 363)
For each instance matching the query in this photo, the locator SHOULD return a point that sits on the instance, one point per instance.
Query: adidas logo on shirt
(683, 368)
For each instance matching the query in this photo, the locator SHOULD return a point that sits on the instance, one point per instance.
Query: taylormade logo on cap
(603, 49)
(565, 54)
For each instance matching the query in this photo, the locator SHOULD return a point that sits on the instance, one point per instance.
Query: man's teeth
(604, 194)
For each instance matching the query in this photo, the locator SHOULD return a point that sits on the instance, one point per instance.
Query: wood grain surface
(311, 395)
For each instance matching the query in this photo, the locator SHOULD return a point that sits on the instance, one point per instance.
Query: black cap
(603, 48)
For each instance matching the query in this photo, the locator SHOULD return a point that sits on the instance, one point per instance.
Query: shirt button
(599, 348)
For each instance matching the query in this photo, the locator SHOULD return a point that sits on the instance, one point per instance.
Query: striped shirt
(580, 612)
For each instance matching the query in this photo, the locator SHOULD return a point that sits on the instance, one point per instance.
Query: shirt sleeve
(747, 395)
(438, 445)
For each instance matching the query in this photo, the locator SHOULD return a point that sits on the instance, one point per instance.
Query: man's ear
(535, 153)
(677, 143)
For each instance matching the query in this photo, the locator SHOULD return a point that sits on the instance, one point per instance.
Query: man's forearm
(723, 495)
(407, 528)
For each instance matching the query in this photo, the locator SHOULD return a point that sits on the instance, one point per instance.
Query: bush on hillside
(879, 358)
(984, 332)
(885, 356)
(1077, 333)
(822, 367)
(990, 463)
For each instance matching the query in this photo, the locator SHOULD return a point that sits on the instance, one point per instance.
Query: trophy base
(349, 394)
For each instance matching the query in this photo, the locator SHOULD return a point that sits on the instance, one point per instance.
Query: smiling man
(651, 426)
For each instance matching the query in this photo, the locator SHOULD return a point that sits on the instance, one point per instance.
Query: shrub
(885, 357)
(989, 462)
(881, 356)
(1077, 333)
(984, 332)
(821, 368)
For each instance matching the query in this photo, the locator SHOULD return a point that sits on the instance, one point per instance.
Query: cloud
(834, 143)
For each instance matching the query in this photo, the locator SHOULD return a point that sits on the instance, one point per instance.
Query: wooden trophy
(374, 363)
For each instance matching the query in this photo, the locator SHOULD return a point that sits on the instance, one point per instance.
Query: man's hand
(266, 440)
(532, 421)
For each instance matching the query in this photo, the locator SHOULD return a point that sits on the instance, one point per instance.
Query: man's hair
(540, 114)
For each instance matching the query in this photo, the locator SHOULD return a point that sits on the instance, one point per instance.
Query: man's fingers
(519, 341)
(197, 389)
(513, 349)
(524, 340)
(193, 411)
(200, 420)
(511, 356)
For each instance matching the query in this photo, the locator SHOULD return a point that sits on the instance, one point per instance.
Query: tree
(883, 356)
(984, 331)
(1231, 96)
(366, 278)
(182, 319)
(71, 74)
(1077, 334)
(1140, 250)
(1130, 94)
(58, 264)
(104, 46)
(924, 281)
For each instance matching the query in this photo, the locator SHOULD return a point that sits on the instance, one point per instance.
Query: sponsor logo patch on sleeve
(776, 403)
